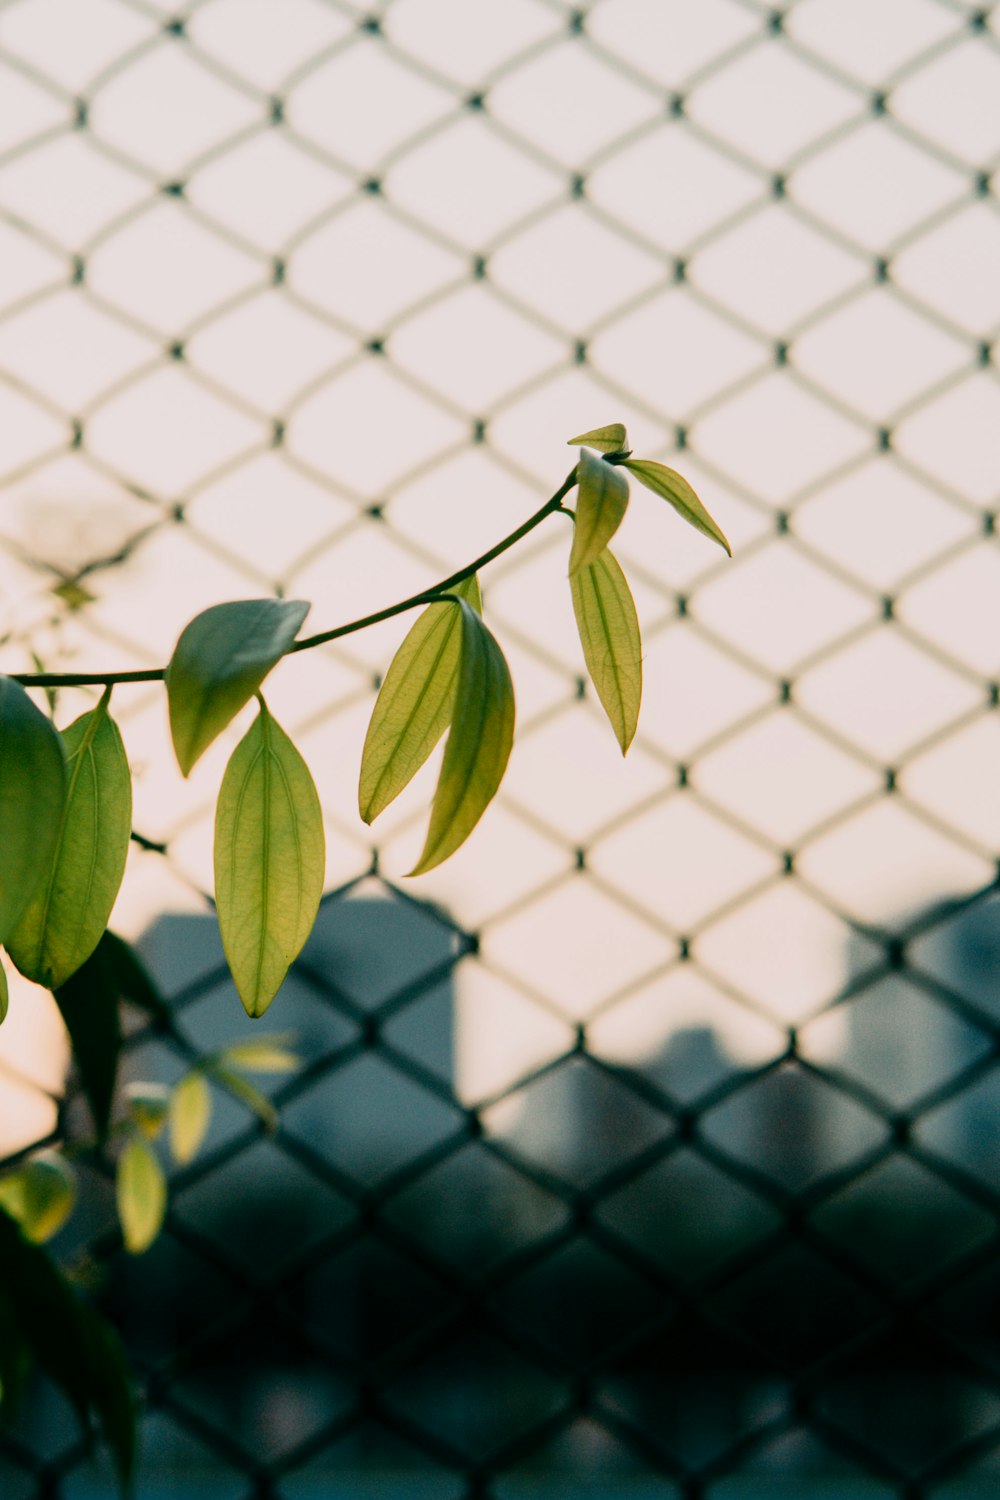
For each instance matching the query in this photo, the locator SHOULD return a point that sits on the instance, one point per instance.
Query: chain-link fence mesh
(651, 1145)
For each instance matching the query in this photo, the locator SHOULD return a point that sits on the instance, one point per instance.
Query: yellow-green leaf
(269, 860)
(478, 747)
(67, 915)
(39, 1195)
(609, 633)
(219, 662)
(601, 504)
(190, 1116)
(148, 1105)
(261, 1055)
(674, 488)
(32, 794)
(611, 439)
(414, 705)
(243, 1090)
(141, 1191)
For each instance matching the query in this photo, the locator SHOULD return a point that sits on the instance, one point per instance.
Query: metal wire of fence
(655, 1152)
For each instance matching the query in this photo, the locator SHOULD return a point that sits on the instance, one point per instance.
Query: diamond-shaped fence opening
(649, 1146)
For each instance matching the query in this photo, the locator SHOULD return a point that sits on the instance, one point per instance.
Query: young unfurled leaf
(600, 506)
(148, 1105)
(267, 1054)
(478, 747)
(141, 1191)
(40, 1195)
(674, 488)
(32, 794)
(218, 664)
(269, 860)
(611, 439)
(414, 705)
(243, 1090)
(609, 633)
(190, 1116)
(63, 923)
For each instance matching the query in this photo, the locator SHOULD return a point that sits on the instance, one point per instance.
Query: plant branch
(426, 596)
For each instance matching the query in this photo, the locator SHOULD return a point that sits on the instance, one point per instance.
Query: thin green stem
(426, 596)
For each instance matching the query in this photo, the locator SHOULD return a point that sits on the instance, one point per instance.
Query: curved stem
(426, 596)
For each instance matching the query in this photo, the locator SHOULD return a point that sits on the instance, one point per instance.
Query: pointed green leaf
(262, 1055)
(609, 633)
(674, 488)
(478, 746)
(218, 664)
(32, 793)
(269, 860)
(4, 995)
(148, 1105)
(131, 977)
(413, 708)
(243, 1090)
(190, 1116)
(40, 1195)
(141, 1191)
(64, 921)
(611, 439)
(89, 1004)
(600, 506)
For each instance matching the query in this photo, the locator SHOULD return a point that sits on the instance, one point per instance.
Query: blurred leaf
(612, 648)
(674, 488)
(132, 978)
(73, 594)
(600, 506)
(142, 1195)
(241, 1089)
(270, 860)
(63, 923)
(611, 439)
(40, 1195)
(478, 746)
(262, 1055)
(4, 995)
(219, 662)
(190, 1116)
(32, 794)
(41, 1315)
(414, 705)
(148, 1106)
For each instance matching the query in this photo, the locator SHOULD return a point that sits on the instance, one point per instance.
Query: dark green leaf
(609, 633)
(141, 1191)
(4, 994)
(674, 488)
(600, 506)
(132, 977)
(478, 747)
(66, 917)
(414, 705)
(76, 1349)
(40, 1195)
(190, 1116)
(611, 439)
(218, 664)
(32, 793)
(269, 860)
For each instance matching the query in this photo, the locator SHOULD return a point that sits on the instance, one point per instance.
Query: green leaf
(241, 1089)
(414, 705)
(148, 1106)
(609, 633)
(269, 860)
(142, 1195)
(40, 1195)
(43, 1317)
(674, 488)
(63, 923)
(132, 978)
(262, 1055)
(218, 664)
(190, 1116)
(32, 794)
(478, 746)
(4, 995)
(611, 439)
(600, 507)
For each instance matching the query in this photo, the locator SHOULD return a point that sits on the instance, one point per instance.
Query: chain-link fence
(650, 1146)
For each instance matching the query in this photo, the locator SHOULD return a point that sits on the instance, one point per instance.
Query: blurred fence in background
(652, 1145)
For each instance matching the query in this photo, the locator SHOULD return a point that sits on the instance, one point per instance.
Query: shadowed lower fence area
(651, 1146)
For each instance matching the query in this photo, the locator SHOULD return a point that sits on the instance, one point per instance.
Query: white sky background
(679, 271)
